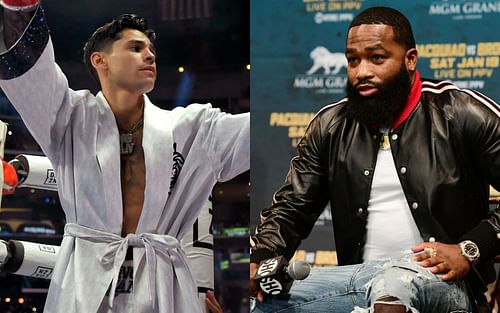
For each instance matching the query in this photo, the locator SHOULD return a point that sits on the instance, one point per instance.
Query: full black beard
(382, 108)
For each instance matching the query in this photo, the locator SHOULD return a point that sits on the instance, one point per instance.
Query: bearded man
(132, 177)
(406, 164)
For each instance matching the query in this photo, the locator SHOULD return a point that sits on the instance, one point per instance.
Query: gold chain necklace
(384, 140)
(127, 137)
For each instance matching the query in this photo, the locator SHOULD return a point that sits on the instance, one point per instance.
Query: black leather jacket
(446, 153)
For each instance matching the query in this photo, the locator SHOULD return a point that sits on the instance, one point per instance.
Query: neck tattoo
(127, 143)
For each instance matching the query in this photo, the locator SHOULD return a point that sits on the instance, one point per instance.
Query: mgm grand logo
(325, 75)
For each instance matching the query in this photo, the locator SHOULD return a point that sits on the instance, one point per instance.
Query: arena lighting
(20, 300)
(7, 300)
(181, 69)
(33, 309)
(248, 67)
(9, 133)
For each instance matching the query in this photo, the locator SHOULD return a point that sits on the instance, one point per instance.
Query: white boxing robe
(198, 243)
(186, 150)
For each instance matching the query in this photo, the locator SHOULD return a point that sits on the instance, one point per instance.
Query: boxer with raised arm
(131, 177)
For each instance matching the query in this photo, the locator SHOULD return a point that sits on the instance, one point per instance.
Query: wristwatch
(470, 250)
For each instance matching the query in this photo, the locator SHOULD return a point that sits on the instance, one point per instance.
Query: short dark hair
(403, 33)
(110, 32)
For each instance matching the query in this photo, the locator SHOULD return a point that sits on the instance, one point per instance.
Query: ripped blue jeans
(357, 288)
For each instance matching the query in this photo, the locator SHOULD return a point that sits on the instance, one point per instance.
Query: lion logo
(327, 60)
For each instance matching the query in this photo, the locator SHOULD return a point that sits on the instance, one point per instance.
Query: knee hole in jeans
(389, 304)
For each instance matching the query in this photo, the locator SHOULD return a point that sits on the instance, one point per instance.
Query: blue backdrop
(298, 67)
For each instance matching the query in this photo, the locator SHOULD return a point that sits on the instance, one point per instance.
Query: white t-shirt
(391, 229)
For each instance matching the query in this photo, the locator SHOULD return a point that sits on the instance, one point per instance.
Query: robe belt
(116, 251)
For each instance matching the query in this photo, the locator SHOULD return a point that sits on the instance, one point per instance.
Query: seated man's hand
(447, 260)
(254, 288)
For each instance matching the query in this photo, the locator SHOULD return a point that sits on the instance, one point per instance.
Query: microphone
(275, 276)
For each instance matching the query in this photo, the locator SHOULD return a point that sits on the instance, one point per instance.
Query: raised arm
(32, 81)
(228, 142)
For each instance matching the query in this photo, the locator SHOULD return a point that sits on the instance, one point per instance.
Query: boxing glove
(10, 179)
(19, 5)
